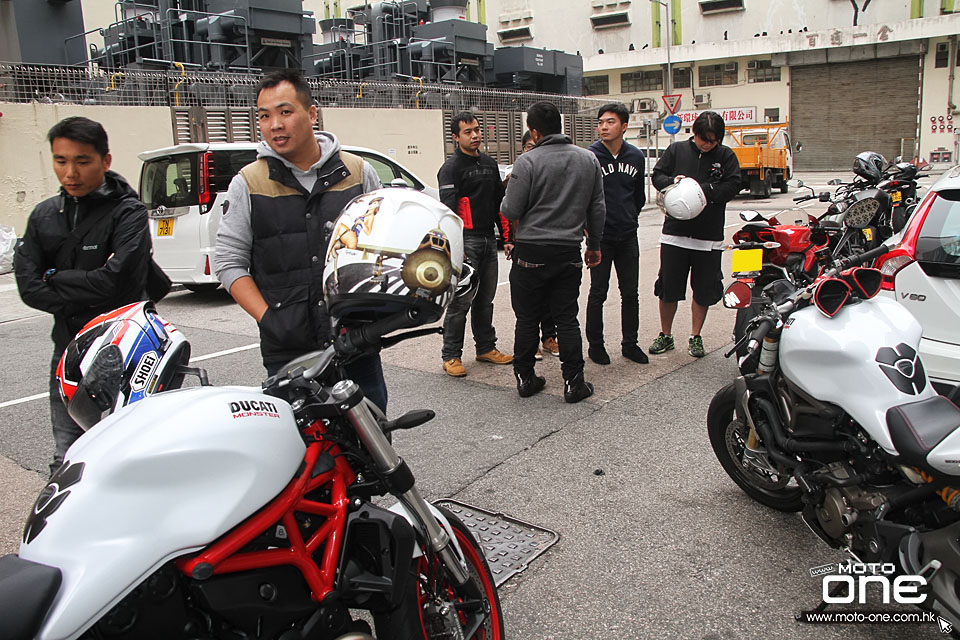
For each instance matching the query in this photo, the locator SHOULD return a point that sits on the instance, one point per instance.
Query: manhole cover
(509, 545)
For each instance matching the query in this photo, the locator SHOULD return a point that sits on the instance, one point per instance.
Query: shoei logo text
(247, 408)
(144, 370)
(858, 578)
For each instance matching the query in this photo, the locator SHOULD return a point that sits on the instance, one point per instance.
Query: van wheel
(201, 288)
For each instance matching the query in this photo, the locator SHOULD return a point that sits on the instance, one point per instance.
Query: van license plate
(165, 227)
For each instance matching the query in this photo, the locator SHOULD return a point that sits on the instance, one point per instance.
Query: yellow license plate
(745, 260)
(896, 196)
(868, 234)
(165, 227)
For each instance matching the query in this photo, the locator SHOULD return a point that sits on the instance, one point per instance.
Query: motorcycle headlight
(860, 213)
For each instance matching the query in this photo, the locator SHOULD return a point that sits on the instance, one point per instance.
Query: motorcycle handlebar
(804, 198)
(764, 327)
(862, 258)
(368, 335)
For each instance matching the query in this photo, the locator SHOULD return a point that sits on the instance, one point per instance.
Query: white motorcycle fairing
(825, 358)
(159, 478)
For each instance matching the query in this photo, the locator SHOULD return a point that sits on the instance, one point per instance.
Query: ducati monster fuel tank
(864, 359)
(157, 479)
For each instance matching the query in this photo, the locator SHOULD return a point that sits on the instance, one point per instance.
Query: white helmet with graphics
(682, 200)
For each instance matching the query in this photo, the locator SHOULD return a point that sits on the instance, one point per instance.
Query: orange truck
(765, 155)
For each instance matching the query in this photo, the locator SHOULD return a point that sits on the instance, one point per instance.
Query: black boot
(576, 389)
(598, 354)
(635, 353)
(530, 384)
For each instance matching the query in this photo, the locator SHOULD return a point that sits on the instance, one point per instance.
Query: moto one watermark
(854, 583)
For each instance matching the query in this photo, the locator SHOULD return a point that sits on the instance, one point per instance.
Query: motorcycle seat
(918, 427)
(27, 590)
(756, 225)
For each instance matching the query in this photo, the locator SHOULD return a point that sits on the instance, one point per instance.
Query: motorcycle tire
(407, 620)
(728, 436)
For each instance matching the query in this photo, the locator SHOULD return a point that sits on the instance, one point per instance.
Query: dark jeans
(65, 430)
(481, 251)
(552, 287)
(624, 255)
(366, 372)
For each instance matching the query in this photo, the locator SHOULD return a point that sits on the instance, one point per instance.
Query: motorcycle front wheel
(755, 474)
(433, 605)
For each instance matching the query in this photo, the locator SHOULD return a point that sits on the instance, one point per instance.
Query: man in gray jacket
(555, 194)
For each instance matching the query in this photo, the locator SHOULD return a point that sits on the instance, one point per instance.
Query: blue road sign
(671, 124)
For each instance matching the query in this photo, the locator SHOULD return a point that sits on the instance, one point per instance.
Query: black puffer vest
(289, 249)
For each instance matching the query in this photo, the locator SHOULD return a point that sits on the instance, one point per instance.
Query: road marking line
(209, 356)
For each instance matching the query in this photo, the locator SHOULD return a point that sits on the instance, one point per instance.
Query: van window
(938, 246)
(169, 182)
(750, 139)
(388, 172)
(227, 164)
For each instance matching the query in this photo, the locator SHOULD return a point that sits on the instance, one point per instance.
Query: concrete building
(848, 75)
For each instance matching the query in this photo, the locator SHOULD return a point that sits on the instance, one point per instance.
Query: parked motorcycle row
(832, 414)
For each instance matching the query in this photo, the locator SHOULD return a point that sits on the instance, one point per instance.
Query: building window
(596, 85)
(762, 71)
(713, 6)
(714, 75)
(605, 20)
(517, 33)
(682, 78)
(771, 115)
(641, 81)
(943, 55)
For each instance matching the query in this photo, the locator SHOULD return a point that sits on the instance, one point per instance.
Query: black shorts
(703, 267)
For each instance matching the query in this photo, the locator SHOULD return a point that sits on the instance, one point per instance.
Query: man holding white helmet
(696, 178)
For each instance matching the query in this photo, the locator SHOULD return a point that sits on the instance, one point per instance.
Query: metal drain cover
(508, 544)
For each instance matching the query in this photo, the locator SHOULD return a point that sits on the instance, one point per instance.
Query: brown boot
(454, 367)
(494, 357)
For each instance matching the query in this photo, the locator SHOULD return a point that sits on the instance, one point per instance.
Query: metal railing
(186, 87)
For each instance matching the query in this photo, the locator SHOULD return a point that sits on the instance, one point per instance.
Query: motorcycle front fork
(401, 478)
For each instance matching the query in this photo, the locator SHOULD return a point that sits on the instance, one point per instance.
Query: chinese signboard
(733, 115)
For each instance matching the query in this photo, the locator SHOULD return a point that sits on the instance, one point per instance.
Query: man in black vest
(85, 251)
(271, 240)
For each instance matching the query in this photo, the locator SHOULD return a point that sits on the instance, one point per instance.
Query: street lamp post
(669, 82)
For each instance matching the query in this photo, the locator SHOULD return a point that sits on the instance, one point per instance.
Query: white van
(184, 186)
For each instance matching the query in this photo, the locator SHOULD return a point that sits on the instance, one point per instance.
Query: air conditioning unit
(644, 104)
(751, 64)
(700, 99)
(730, 66)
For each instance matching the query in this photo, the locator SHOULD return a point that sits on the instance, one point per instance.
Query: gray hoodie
(235, 234)
(555, 192)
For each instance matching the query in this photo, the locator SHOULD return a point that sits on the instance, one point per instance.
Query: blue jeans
(366, 372)
(481, 251)
(65, 430)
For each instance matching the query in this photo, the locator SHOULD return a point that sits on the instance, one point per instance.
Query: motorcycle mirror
(834, 181)
(824, 196)
(750, 215)
(830, 296)
(866, 282)
(898, 160)
(738, 295)
(800, 184)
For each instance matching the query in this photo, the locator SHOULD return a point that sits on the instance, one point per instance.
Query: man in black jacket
(470, 186)
(622, 166)
(694, 246)
(85, 251)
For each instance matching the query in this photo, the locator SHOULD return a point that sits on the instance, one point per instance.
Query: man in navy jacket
(622, 166)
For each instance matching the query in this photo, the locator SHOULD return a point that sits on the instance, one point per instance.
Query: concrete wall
(936, 104)
(26, 166)
(412, 137)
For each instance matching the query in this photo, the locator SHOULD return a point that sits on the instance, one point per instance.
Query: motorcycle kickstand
(820, 608)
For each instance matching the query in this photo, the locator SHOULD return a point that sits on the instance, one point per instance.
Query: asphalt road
(661, 545)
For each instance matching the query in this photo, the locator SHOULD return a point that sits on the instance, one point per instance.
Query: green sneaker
(695, 348)
(661, 344)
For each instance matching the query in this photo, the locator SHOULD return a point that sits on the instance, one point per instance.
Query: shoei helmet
(869, 165)
(393, 249)
(682, 200)
(117, 359)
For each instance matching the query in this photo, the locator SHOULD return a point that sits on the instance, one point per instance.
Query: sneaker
(577, 389)
(695, 348)
(454, 367)
(661, 344)
(598, 354)
(494, 357)
(530, 385)
(550, 346)
(635, 353)
(538, 355)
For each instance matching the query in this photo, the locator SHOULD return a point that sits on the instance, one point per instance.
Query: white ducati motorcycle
(833, 416)
(244, 513)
